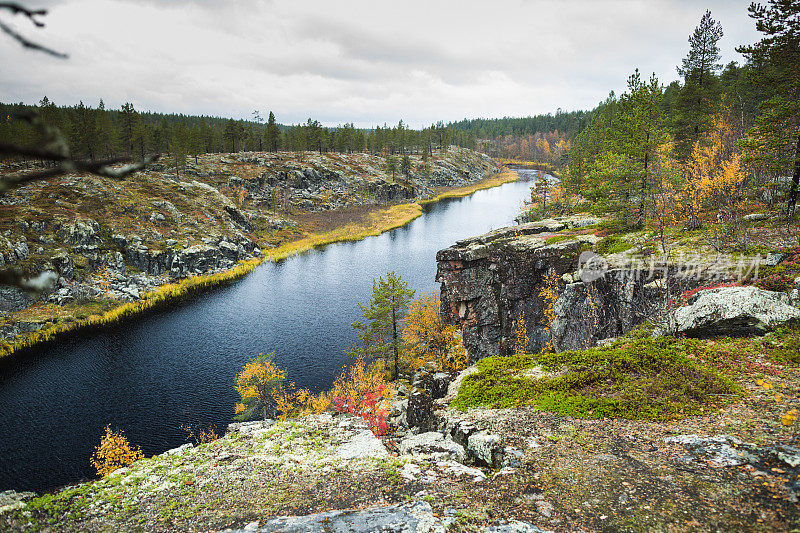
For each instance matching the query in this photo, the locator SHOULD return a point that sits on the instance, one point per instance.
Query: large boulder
(434, 444)
(734, 311)
(80, 232)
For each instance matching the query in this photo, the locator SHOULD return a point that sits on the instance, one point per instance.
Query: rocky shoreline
(106, 243)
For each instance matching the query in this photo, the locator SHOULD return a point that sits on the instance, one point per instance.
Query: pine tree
(84, 132)
(774, 140)
(698, 99)
(179, 146)
(272, 134)
(380, 335)
(391, 165)
(128, 122)
(405, 165)
(105, 131)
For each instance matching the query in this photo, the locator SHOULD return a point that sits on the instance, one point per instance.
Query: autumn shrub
(257, 384)
(114, 452)
(199, 436)
(291, 402)
(363, 390)
(683, 298)
(430, 340)
(775, 282)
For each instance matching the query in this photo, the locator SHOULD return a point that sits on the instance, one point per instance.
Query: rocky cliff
(492, 282)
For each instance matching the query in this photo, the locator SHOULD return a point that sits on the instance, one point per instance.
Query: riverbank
(377, 220)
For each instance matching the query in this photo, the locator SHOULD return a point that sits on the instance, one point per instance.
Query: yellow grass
(379, 221)
(507, 176)
(534, 165)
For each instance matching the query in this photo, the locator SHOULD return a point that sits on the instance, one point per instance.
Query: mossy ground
(639, 379)
(634, 378)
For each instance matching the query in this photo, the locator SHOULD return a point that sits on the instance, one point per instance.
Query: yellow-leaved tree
(714, 178)
(430, 340)
(114, 452)
(257, 384)
(263, 389)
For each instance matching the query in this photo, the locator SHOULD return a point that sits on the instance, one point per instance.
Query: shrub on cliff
(114, 452)
(362, 390)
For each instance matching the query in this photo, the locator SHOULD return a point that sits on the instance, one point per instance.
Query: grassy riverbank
(377, 221)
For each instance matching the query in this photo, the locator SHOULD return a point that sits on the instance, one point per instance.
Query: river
(177, 366)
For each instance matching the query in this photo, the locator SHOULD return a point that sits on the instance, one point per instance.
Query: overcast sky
(366, 62)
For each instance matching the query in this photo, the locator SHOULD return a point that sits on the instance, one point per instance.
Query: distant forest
(95, 133)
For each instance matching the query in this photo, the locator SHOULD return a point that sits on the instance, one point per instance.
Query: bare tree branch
(99, 168)
(17, 9)
(31, 14)
(14, 278)
(53, 147)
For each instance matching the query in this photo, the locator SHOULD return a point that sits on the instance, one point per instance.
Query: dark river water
(149, 376)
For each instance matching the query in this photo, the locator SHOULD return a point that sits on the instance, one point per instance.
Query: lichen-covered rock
(434, 444)
(80, 232)
(515, 526)
(412, 517)
(733, 311)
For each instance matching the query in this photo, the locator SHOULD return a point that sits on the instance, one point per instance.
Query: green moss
(644, 379)
(612, 245)
(783, 345)
(557, 238)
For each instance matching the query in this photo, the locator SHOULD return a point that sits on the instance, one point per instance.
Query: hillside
(110, 242)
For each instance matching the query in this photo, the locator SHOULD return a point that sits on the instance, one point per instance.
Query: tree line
(718, 137)
(97, 132)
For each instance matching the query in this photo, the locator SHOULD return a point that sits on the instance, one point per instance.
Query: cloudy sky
(366, 62)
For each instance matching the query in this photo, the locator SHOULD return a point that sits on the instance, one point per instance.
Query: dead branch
(53, 147)
(31, 14)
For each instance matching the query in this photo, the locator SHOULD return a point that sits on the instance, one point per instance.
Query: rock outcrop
(490, 283)
(733, 311)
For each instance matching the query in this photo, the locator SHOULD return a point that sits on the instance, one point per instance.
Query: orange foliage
(256, 384)
(430, 339)
(549, 294)
(521, 344)
(714, 178)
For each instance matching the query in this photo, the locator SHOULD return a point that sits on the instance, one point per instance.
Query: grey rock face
(362, 444)
(734, 311)
(413, 517)
(719, 450)
(433, 443)
(773, 258)
(490, 282)
(419, 413)
(484, 448)
(515, 526)
(80, 232)
(13, 299)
